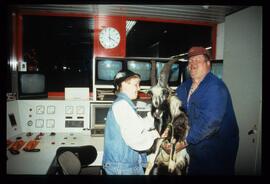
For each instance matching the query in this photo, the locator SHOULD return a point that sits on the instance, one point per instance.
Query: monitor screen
(175, 73)
(32, 85)
(106, 69)
(186, 74)
(217, 69)
(141, 67)
(98, 114)
(101, 114)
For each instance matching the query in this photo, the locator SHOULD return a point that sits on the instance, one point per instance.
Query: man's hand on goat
(179, 146)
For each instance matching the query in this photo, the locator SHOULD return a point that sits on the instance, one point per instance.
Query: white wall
(220, 41)
(242, 72)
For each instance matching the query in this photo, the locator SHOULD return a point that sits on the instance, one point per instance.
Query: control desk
(57, 123)
(38, 163)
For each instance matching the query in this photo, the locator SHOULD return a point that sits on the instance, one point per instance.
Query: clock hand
(109, 35)
(113, 40)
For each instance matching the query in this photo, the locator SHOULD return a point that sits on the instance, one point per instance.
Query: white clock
(109, 38)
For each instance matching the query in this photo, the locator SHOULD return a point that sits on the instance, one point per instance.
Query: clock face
(109, 38)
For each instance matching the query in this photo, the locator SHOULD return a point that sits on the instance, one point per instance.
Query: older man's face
(198, 66)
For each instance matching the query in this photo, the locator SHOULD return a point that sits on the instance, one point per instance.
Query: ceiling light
(129, 25)
(205, 6)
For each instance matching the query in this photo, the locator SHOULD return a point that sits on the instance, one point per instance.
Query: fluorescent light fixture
(205, 7)
(129, 25)
(183, 60)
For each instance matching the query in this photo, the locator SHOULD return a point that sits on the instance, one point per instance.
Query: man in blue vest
(127, 135)
(213, 138)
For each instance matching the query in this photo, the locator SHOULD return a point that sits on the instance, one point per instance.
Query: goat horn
(153, 73)
(165, 72)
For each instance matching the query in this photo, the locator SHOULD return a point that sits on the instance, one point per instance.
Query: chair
(76, 160)
(69, 163)
(86, 154)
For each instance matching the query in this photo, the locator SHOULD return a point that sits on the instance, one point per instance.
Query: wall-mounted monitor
(142, 67)
(217, 67)
(106, 69)
(176, 72)
(32, 85)
(186, 74)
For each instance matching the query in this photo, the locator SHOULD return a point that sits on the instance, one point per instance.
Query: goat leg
(172, 160)
(152, 157)
(182, 162)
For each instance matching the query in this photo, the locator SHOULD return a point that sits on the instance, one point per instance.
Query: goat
(167, 111)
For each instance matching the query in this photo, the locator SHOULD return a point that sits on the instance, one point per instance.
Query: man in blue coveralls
(213, 138)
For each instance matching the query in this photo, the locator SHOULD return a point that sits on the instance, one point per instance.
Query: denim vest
(118, 157)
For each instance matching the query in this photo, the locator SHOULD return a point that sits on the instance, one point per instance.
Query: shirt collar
(124, 96)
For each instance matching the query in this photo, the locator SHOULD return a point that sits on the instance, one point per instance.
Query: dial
(40, 109)
(109, 38)
(80, 109)
(50, 109)
(39, 123)
(29, 123)
(50, 123)
(69, 109)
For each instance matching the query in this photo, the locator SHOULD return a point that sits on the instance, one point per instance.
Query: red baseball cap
(194, 51)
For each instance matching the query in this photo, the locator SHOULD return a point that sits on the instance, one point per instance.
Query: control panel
(54, 115)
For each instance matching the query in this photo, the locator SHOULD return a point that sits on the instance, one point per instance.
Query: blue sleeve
(181, 93)
(206, 116)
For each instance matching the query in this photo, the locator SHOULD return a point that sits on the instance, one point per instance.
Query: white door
(242, 72)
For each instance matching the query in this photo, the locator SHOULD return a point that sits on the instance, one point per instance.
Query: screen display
(107, 69)
(140, 67)
(73, 124)
(101, 114)
(186, 74)
(32, 83)
(217, 69)
(174, 72)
